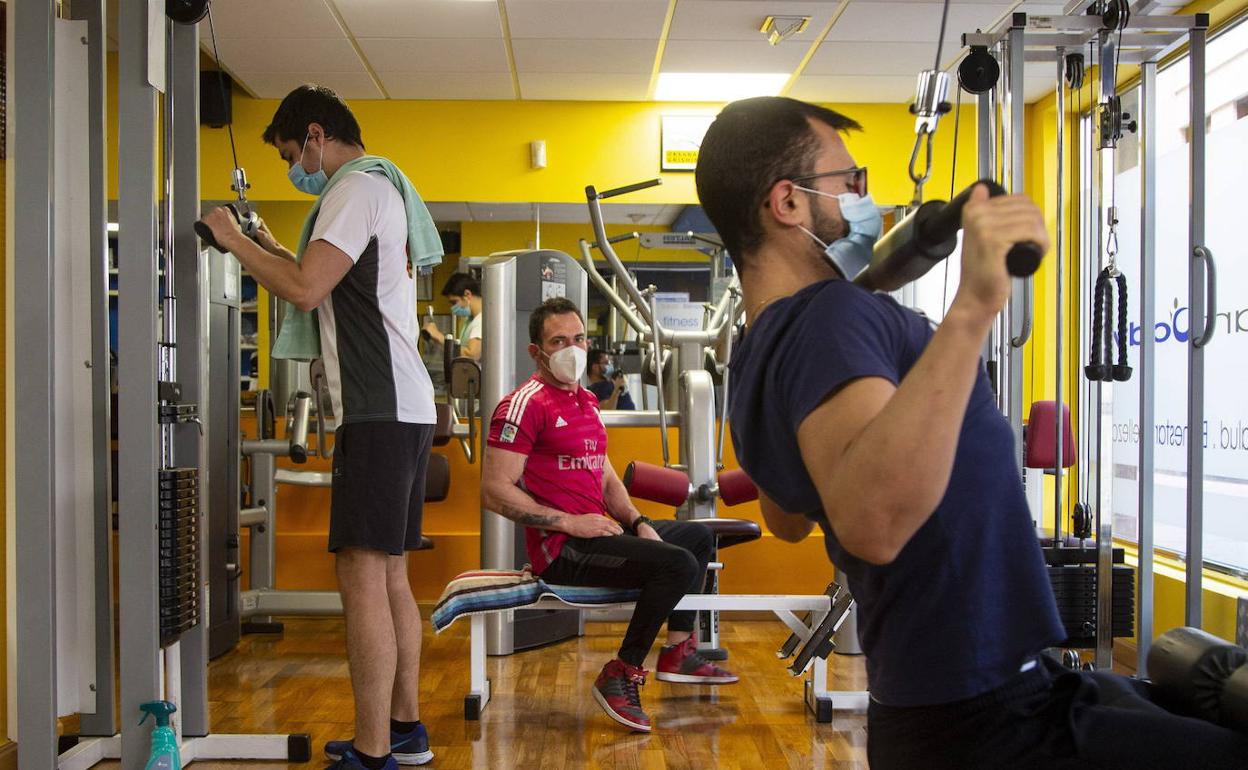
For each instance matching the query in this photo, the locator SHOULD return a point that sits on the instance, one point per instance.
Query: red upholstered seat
(732, 531)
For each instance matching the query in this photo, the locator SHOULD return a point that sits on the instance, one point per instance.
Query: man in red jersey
(546, 468)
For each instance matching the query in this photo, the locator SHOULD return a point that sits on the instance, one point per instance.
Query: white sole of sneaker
(693, 679)
(422, 758)
(611, 713)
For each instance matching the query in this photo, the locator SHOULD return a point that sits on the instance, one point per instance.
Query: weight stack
(178, 524)
(1074, 588)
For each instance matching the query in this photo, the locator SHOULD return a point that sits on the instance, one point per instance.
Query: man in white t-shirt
(354, 272)
(464, 293)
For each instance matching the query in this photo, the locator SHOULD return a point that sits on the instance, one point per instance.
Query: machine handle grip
(591, 193)
(944, 223)
(299, 427)
(205, 232)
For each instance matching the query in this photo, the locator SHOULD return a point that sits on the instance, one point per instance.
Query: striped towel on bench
(484, 591)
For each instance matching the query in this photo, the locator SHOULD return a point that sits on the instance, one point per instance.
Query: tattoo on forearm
(527, 518)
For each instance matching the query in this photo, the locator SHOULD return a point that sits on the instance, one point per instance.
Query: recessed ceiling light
(717, 86)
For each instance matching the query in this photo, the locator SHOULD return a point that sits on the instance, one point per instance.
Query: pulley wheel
(186, 11)
(979, 71)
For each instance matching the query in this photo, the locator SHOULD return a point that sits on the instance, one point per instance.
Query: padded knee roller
(735, 487)
(1198, 674)
(655, 483)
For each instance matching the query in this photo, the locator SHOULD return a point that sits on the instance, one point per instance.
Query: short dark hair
(459, 283)
(752, 144)
(313, 104)
(595, 354)
(552, 306)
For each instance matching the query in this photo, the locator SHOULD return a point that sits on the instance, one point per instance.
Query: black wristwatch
(641, 520)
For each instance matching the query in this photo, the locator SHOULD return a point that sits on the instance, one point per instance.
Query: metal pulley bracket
(929, 100)
(1114, 122)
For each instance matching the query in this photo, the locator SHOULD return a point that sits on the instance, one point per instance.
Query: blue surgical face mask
(463, 311)
(851, 255)
(311, 183)
(608, 371)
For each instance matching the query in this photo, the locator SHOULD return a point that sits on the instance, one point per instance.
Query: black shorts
(379, 486)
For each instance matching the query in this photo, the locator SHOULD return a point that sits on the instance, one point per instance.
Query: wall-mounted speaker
(215, 89)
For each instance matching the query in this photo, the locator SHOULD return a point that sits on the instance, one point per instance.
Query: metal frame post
(1059, 327)
(1197, 300)
(498, 372)
(189, 284)
(1148, 344)
(32, 74)
(1104, 401)
(1020, 305)
(138, 432)
(103, 722)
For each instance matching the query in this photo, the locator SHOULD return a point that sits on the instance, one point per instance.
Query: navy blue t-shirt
(967, 601)
(603, 390)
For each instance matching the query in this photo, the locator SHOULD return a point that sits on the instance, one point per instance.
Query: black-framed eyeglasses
(857, 178)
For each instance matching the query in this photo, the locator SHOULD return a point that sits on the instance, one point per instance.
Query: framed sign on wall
(681, 137)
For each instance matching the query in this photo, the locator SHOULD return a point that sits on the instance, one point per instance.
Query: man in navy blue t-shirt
(851, 413)
(607, 382)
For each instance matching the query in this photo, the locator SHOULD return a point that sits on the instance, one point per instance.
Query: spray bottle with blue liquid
(164, 740)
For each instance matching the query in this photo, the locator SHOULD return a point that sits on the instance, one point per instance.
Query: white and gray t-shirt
(368, 322)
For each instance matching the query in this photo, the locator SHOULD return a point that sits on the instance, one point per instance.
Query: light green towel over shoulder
(299, 339)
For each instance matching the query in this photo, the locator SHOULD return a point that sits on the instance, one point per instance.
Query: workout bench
(809, 643)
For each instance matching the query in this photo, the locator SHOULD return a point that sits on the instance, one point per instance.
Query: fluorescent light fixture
(113, 227)
(717, 86)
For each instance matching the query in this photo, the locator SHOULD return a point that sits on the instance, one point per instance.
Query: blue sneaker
(349, 761)
(406, 748)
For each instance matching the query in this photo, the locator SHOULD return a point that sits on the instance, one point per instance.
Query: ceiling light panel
(844, 89)
(717, 86)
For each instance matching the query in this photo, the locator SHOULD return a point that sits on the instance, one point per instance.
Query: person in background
(464, 293)
(607, 382)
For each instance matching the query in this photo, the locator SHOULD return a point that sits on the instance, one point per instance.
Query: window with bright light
(1225, 434)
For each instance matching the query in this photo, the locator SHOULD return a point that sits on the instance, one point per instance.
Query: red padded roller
(653, 482)
(1041, 444)
(735, 487)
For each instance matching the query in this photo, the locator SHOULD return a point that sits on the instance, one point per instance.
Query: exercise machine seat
(732, 531)
(1040, 441)
(437, 478)
(442, 426)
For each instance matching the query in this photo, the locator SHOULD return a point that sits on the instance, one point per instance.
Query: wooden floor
(542, 715)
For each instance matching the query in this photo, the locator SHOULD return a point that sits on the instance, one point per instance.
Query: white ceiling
(592, 50)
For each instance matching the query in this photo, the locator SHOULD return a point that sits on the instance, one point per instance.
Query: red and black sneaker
(615, 689)
(683, 663)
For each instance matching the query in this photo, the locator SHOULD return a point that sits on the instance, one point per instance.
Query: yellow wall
(478, 151)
